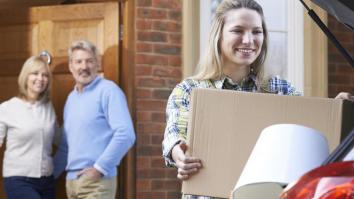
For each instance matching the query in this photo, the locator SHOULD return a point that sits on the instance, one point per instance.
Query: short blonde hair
(31, 65)
(210, 65)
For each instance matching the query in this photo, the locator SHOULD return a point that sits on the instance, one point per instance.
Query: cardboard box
(224, 126)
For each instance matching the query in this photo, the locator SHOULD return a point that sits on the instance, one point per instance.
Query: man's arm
(118, 117)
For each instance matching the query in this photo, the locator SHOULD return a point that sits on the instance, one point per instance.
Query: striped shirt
(177, 110)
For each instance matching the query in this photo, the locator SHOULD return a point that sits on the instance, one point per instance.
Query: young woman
(28, 121)
(234, 60)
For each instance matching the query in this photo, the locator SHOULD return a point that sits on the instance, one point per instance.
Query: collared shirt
(177, 109)
(98, 130)
(30, 130)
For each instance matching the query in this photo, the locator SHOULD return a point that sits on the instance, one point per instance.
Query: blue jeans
(18, 187)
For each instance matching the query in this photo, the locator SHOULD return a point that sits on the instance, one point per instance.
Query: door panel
(30, 30)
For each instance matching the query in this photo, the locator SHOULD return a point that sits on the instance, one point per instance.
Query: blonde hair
(31, 65)
(210, 65)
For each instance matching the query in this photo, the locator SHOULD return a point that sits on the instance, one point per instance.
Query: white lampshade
(282, 154)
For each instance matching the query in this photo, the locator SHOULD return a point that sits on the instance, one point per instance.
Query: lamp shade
(282, 154)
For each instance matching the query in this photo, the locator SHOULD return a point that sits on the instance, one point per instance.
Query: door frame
(126, 82)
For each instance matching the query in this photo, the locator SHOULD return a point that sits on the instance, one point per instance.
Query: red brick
(177, 73)
(175, 61)
(170, 26)
(332, 22)
(172, 4)
(143, 93)
(332, 49)
(144, 116)
(151, 128)
(143, 139)
(351, 47)
(158, 185)
(336, 58)
(157, 162)
(143, 195)
(143, 162)
(151, 59)
(151, 13)
(174, 194)
(161, 72)
(344, 37)
(172, 184)
(142, 24)
(175, 15)
(171, 83)
(158, 195)
(149, 151)
(151, 195)
(156, 139)
(152, 82)
(175, 38)
(151, 105)
(332, 91)
(143, 174)
(332, 58)
(344, 69)
(167, 49)
(331, 68)
(152, 36)
(165, 184)
(143, 3)
(341, 88)
(166, 72)
(151, 173)
(171, 173)
(143, 47)
(160, 116)
(143, 185)
(143, 70)
(161, 93)
(340, 79)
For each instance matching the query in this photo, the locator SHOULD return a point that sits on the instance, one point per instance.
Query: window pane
(214, 5)
(277, 55)
(275, 13)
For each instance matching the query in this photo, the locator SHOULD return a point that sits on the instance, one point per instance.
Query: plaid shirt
(178, 107)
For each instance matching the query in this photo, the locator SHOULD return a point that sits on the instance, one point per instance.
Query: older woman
(28, 121)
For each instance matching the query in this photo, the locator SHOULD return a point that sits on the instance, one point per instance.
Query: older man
(97, 131)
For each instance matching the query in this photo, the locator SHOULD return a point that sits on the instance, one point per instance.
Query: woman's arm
(174, 145)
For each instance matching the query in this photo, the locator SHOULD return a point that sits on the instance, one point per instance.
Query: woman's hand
(345, 96)
(186, 165)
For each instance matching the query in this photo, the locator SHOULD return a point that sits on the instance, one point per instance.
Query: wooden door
(28, 31)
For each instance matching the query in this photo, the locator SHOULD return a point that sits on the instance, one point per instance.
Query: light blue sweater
(98, 130)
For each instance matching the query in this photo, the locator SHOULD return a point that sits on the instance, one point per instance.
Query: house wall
(158, 33)
(341, 74)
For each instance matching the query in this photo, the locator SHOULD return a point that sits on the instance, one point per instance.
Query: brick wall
(340, 73)
(157, 71)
